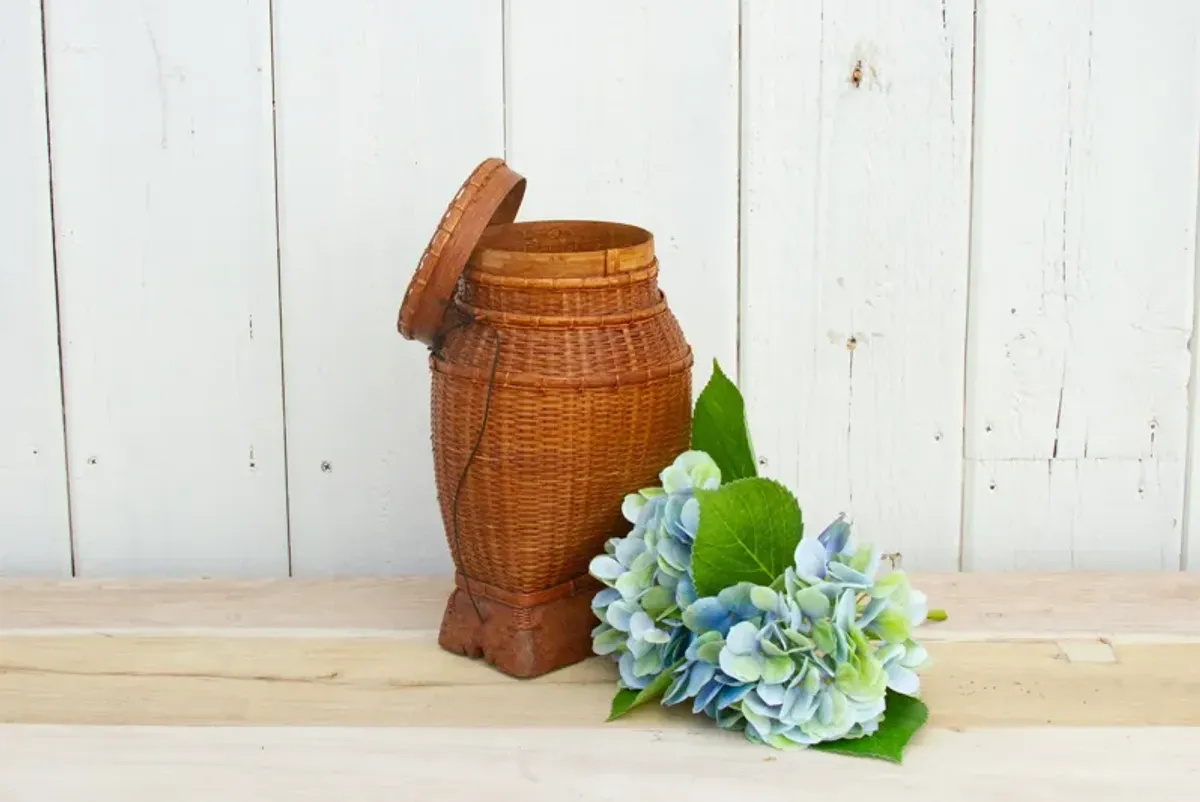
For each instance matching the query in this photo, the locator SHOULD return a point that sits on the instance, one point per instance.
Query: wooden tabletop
(1063, 686)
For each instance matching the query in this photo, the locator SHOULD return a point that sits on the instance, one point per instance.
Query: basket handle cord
(436, 349)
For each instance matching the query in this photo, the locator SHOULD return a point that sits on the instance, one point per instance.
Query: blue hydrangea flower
(647, 573)
(809, 659)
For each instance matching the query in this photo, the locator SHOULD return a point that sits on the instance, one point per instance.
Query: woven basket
(561, 381)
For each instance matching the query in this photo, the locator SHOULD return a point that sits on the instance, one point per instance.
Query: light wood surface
(1051, 686)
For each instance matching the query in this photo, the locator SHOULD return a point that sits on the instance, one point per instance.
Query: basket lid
(492, 194)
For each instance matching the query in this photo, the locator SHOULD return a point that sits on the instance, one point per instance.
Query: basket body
(563, 339)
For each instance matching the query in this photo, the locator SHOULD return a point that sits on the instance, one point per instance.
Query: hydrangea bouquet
(717, 599)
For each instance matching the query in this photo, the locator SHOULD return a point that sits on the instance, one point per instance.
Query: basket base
(522, 641)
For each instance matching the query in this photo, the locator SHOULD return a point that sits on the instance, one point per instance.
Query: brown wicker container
(560, 382)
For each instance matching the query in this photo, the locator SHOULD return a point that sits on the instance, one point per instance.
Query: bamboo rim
(476, 276)
(516, 320)
(591, 382)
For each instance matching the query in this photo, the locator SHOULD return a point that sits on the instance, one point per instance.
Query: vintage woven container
(561, 381)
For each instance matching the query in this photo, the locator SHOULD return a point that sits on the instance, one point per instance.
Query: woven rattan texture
(586, 297)
(591, 400)
(545, 489)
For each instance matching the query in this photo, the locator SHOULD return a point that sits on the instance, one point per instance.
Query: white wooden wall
(949, 247)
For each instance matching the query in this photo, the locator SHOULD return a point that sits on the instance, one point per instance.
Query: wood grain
(383, 110)
(370, 681)
(35, 536)
(1024, 650)
(1082, 272)
(628, 111)
(161, 128)
(981, 606)
(1043, 687)
(132, 764)
(856, 121)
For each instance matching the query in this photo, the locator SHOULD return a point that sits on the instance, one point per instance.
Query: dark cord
(487, 406)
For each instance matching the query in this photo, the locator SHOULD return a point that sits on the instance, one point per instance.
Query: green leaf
(903, 717)
(627, 699)
(719, 427)
(748, 533)
(936, 615)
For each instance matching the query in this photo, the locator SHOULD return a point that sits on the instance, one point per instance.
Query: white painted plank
(1081, 290)
(1073, 514)
(35, 533)
(164, 198)
(136, 764)
(627, 110)
(855, 188)
(383, 110)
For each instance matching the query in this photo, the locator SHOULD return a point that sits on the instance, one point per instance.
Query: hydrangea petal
(639, 648)
(706, 615)
(848, 577)
(631, 507)
(700, 675)
(771, 650)
(810, 559)
(742, 639)
(764, 599)
(891, 625)
(608, 641)
(771, 693)
(741, 667)
(628, 549)
(640, 624)
(753, 703)
(706, 695)
(778, 669)
(685, 592)
(657, 637)
(675, 479)
(605, 598)
(732, 694)
(761, 725)
(619, 613)
(915, 656)
(918, 607)
(630, 585)
(628, 678)
(835, 536)
(889, 584)
(843, 614)
(871, 612)
(903, 680)
(656, 600)
(675, 554)
(605, 568)
(711, 652)
(649, 663)
(813, 602)
(690, 516)
(677, 692)
(693, 649)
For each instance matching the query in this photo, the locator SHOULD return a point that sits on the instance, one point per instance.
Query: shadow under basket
(561, 382)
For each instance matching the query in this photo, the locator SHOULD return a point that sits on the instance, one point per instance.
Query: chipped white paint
(1009, 186)
(1081, 288)
(386, 144)
(856, 185)
(628, 110)
(34, 533)
(164, 210)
